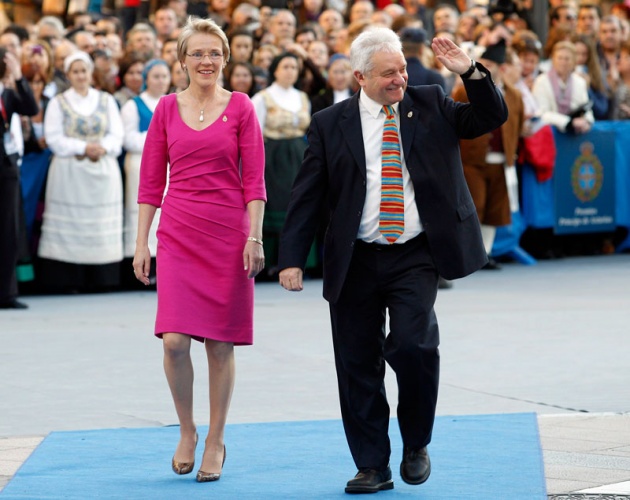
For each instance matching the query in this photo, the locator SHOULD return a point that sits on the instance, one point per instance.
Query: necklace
(201, 110)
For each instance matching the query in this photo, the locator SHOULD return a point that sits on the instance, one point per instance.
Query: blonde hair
(196, 25)
(564, 45)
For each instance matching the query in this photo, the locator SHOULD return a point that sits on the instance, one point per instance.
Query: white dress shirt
(372, 123)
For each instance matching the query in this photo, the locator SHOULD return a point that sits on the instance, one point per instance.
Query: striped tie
(392, 216)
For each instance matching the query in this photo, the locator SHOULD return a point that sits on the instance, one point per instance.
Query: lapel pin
(410, 114)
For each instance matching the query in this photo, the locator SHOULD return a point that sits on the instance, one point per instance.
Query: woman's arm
(113, 139)
(252, 158)
(142, 256)
(253, 254)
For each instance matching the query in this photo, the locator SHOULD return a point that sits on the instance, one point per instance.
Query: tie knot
(389, 111)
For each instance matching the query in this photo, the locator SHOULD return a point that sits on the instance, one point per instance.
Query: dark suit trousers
(9, 210)
(402, 280)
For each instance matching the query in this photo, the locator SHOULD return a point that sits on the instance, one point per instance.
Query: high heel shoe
(182, 468)
(206, 477)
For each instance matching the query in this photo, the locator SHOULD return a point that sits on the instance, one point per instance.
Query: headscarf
(337, 57)
(149, 66)
(78, 56)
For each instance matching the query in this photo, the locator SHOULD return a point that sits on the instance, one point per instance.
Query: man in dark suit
(12, 100)
(366, 276)
(413, 44)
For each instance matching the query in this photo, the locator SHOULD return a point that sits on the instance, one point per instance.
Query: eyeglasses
(198, 56)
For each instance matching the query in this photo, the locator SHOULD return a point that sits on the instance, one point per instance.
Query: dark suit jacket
(419, 75)
(334, 166)
(19, 100)
(322, 101)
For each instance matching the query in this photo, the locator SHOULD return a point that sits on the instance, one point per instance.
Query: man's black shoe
(371, 481)
(13, 304)
(444, 284)
(492, 265)
(416, 466)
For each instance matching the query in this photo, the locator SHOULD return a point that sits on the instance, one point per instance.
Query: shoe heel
(183, 468)
(207, 477)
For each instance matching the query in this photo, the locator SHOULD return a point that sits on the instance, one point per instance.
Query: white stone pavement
(551, 338)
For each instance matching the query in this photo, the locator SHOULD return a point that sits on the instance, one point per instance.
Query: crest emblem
(587, 174)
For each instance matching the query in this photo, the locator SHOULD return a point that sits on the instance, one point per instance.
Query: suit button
(364, 183)
(352, 243)
(359, 213)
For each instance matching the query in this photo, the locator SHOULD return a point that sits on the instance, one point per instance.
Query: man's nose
(399, 79)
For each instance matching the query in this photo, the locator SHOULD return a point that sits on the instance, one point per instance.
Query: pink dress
(203, 290)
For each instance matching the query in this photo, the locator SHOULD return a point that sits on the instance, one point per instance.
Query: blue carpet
(482, 457)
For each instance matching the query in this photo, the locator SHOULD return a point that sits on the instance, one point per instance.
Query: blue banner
(584, 180)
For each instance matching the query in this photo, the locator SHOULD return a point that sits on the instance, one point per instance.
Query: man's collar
(373, 107)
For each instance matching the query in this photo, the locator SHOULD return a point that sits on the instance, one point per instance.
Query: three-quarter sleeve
(252, 154)
(153, 167)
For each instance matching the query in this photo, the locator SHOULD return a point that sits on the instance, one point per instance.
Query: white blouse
(61, 145)
(341, 95)
(289, 99)
(133, 141)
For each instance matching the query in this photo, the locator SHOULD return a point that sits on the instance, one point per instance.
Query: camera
(504, 7)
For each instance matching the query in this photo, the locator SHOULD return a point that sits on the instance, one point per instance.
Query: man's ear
(359, 76)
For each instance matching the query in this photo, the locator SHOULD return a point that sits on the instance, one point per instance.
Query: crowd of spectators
(291, 58)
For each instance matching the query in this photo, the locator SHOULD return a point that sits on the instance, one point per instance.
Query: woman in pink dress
(209, 236)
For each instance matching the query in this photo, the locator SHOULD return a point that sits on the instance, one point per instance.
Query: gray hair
(368, 43)
(54, 22)
(250, 11)
(611, 20)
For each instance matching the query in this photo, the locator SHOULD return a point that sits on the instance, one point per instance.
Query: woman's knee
(176, 345)
(220, 352)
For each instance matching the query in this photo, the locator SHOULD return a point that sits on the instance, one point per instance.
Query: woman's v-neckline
(222, 113)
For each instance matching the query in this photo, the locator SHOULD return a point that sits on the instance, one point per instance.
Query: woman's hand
(142, 264)
(94, 151)
(253, 258)
(581, 125)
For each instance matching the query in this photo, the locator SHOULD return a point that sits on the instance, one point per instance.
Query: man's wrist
(468, 73)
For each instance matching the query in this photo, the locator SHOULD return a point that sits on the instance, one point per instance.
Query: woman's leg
(179, 373)
(221, 371)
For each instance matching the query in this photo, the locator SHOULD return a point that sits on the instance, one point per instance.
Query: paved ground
(551, 339)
